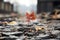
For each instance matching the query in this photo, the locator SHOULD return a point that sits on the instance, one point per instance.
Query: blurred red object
(30, 16)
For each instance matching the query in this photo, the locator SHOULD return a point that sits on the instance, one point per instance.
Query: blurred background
(29, 19)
